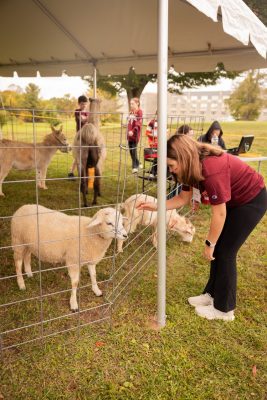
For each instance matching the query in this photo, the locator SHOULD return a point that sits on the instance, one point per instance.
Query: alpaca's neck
(94, 114)
(94, 119)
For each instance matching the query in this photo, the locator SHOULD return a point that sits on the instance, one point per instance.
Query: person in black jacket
(214, 130)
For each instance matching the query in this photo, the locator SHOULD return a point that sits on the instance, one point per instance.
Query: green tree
(11, 99)
(134, 83)
(259, 8)
(3, 118)
(31, 97)
(57, 109)
(65, 103)
(32, 101)
(245, 102)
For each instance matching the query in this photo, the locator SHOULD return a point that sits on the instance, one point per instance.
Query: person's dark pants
(240, 222)
(133, 152)
(154, 168)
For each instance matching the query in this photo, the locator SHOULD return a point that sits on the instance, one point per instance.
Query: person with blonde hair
(238, 200)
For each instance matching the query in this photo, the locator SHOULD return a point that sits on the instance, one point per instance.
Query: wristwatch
(208, 243)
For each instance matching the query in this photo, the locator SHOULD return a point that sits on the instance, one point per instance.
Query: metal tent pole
(95, 83)
(162, 153)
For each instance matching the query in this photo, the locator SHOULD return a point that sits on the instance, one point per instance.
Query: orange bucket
(91, 177)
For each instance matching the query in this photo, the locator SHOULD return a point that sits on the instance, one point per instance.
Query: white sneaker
(134, 170)
(202, 300)
(209, 312)
(141, 166)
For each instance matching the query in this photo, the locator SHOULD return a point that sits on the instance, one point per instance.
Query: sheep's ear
(171, 223)
(95, 221)
(53, 129)
(172, 220)
(120, 207)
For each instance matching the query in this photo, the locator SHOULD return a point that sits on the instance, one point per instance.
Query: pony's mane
(88, 134)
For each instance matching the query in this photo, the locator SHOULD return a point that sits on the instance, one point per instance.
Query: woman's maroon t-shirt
(229, 180)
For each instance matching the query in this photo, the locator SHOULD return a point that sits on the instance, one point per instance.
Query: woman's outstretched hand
(149, 206)
(208, 253)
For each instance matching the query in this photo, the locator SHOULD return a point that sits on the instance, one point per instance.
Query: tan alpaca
(89, 151)
(23, 156)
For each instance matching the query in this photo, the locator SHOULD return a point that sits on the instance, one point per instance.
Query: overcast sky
(75, 86)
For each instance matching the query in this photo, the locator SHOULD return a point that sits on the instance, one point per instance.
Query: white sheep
(62, 238)
(134, 217)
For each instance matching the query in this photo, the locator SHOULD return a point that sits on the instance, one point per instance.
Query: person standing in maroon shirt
(238, 200)
(134, 130)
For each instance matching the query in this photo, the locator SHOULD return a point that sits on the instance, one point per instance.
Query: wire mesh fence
(35, 156)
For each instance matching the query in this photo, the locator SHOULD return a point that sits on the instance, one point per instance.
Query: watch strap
(209, 244)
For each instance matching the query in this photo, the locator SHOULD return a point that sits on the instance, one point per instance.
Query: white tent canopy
(78, 36)
(51, 36)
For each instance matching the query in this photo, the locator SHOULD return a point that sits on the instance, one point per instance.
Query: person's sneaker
(140, 166)
(71, 176)
(202, 300)
(209, 312)
(134, 170)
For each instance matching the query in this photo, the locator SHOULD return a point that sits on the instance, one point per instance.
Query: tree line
(20, 105)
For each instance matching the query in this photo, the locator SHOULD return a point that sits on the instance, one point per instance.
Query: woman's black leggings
(133, 151)
(240, 222)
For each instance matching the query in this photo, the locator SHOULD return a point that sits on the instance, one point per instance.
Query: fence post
(162, 153)
(95, 83)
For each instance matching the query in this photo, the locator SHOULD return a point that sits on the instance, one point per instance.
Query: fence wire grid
(42, 310)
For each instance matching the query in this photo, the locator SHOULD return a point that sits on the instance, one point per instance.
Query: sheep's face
(183, 227)
(110, 224)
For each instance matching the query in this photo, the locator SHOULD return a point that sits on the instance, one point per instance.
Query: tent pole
(95, 84)
(162, 153)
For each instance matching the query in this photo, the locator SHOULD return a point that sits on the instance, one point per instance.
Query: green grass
(190, 359)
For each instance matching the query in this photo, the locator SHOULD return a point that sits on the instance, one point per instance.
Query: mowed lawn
(190, 359)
